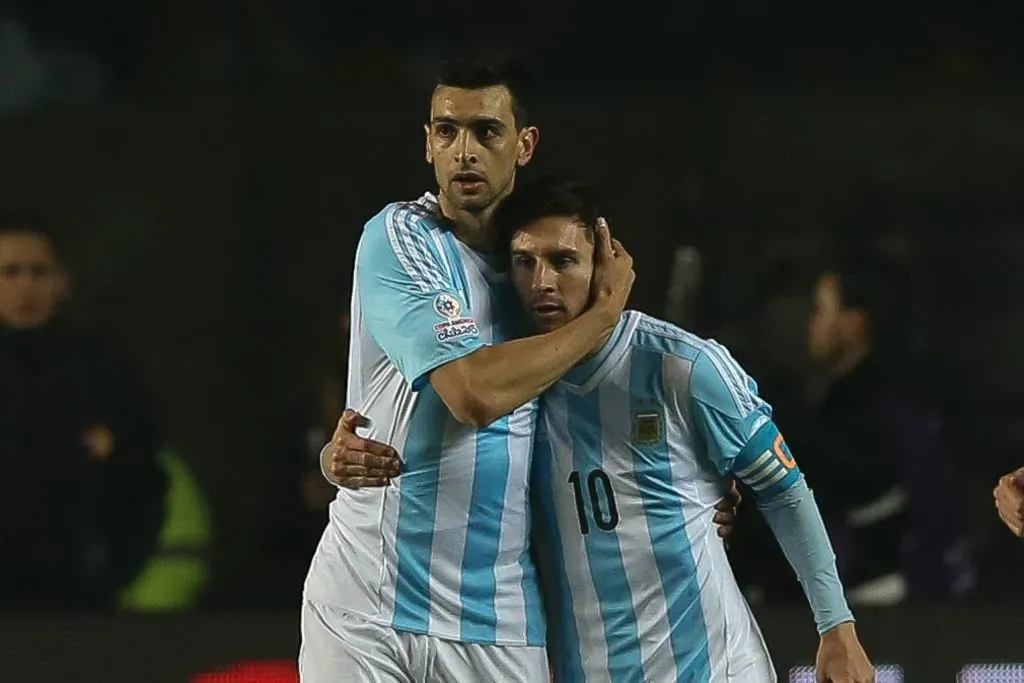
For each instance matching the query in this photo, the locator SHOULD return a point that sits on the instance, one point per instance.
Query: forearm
(797, 525)
(500, 378)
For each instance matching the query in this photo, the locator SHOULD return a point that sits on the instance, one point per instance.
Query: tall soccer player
(431, 579)
(635, 445)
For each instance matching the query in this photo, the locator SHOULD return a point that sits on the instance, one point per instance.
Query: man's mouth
(548, 309)
(468, 181)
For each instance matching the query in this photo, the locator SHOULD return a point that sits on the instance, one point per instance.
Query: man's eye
(445, 130)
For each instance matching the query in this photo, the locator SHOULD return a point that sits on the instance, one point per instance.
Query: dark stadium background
(210, 164)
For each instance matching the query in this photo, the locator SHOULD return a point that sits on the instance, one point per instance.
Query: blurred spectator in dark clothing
(81, 493)
(878, 453)
(302, 493)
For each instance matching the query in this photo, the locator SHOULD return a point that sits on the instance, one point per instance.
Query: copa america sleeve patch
(453, 325)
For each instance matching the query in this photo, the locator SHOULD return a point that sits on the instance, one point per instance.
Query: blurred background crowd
(833, 191)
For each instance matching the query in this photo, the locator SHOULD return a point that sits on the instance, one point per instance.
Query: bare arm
(493, 381)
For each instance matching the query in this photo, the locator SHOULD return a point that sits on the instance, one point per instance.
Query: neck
(853, 357)
(472, 228)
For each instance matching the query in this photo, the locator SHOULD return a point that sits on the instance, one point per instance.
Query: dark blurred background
(203, 171)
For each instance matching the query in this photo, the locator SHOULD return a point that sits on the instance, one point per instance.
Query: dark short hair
(478, 72)
(25, 223)
(544, 197)
(877, 286)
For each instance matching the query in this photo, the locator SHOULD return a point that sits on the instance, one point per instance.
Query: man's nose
(544, 279)
(467, 151)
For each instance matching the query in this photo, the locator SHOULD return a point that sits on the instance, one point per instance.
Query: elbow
(471, 409)
(469, 399)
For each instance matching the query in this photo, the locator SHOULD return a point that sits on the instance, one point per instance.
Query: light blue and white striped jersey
(633, 445)
(444, 550)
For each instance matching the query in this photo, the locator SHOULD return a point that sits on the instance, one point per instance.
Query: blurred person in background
(296, 522)
(81, 494)
(1009, 497)
(878, 448)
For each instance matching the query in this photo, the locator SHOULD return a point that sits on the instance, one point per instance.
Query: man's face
(474, 146)
(830, 326)
(552, 266)
(32, 283)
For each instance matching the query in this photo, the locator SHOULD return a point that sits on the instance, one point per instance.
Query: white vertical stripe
(389, 533)
(480, 298)
(451, 522)
(635, 544)
(586, 607)
(699, 490)
(509, 602)
(734, 640)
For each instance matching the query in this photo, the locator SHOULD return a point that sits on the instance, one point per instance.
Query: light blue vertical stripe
(563, 639)
(486, 509)
(603, 552)
(666, 524)
(418, 503)
(486, 506)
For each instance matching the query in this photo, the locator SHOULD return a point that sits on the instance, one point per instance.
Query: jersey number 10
(606, 520)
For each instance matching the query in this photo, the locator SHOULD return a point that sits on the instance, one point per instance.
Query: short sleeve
(737, 425)
(407, 296)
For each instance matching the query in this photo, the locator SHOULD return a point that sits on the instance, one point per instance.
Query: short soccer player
(634, 447)
(432, 579)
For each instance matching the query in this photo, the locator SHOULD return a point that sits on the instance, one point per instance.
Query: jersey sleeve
(408, 298)
(737, 427)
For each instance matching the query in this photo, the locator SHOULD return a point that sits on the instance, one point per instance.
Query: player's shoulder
(404, 219)
(660, 335)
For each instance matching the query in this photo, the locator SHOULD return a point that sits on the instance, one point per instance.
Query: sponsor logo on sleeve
(454, 325)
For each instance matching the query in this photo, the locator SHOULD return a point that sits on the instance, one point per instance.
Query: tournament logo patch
(453, 327)
(447, 306)
(647, 428)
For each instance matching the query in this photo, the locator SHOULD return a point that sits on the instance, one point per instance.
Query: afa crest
(647, 428)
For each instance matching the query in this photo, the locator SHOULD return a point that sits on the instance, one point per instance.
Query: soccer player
(431, 579)
(634, 446)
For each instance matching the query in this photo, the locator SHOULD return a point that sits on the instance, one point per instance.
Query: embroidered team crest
(647, 428)
(453, 326)
(447, 306)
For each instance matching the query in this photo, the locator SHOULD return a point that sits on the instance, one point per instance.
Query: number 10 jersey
(632, 451)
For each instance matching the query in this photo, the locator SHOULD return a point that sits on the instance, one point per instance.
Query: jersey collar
(583, 377)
